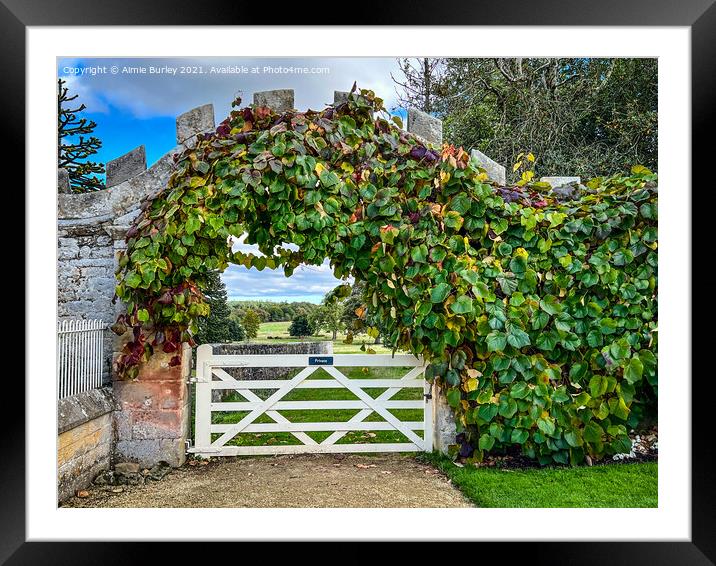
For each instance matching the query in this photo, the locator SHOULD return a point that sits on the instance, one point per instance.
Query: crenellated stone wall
(151, 420)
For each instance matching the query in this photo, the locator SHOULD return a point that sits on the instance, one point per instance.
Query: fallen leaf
(82, 493)
(365, 466)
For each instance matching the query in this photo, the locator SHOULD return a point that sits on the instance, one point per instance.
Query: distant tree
(73, 151)
(300, 326)
(236, 331)
(350, 308)
(328, 316)
(251, 323)
(271, 311)
(421, 84)
(216, 326)
(578, 116)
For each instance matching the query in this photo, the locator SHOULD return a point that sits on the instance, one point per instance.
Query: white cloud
(150, 95)
(308, 282)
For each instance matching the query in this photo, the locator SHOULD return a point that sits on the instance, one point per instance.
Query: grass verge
(610, 485)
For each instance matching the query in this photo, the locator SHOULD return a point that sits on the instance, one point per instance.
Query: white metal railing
(80, 356)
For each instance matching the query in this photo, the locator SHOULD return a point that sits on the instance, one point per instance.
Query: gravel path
(310, 480)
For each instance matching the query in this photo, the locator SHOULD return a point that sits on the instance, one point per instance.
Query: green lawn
(280, 329)
(611, 485)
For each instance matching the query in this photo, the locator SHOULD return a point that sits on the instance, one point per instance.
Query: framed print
(377, 279)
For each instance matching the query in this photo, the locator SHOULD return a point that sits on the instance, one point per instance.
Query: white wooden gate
(211, 439)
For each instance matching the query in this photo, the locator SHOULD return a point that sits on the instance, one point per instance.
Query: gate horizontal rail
(211, 375)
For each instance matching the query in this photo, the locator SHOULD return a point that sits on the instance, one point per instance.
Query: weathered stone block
(148, 452)
(158, 424)
(426, 126)
(280, 100)
(150, 395)
(83, 407)
(126, 166)
(494, 170)
(63, 181)
(153, 421)
(339, 97)
(444, 428)
(196, 121)
(82, 452)
(126, 468)
(561, 181)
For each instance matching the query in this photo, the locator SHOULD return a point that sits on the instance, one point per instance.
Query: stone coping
(83, 407)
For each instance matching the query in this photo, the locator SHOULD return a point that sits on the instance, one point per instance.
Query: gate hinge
(427, 396)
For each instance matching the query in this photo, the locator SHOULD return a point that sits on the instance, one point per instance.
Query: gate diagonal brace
(264, 406)
(275, 415)
(373, 404)
(365, 413)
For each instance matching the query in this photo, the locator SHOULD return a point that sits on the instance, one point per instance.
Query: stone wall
(84, 439)
(249, 349)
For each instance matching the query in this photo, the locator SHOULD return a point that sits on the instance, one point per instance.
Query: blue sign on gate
(320, 360)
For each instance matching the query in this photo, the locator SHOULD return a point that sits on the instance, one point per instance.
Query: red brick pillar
(152, 422)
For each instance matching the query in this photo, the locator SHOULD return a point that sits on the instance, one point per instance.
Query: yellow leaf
(471, 384)
(319, 168)
(516, 166)
(530, 157)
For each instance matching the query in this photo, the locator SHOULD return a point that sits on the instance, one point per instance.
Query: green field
(610, 485)
(279, 333)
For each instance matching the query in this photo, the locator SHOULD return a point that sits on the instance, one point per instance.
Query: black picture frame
(698, 15)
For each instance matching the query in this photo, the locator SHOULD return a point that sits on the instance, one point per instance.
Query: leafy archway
(538, 316)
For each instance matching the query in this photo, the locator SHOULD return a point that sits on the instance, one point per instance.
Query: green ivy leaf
(496, 341)
(462, 305)
(634, 370)
(440, 293)
(486, 442)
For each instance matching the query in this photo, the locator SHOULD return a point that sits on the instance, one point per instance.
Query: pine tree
(236, 331)
(300, 326)
(215, 327)
(251, 323)
(73, 156)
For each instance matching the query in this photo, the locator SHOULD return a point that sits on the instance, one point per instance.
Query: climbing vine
(537, 314)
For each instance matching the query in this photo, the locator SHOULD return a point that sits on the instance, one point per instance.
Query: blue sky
(133, 108)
